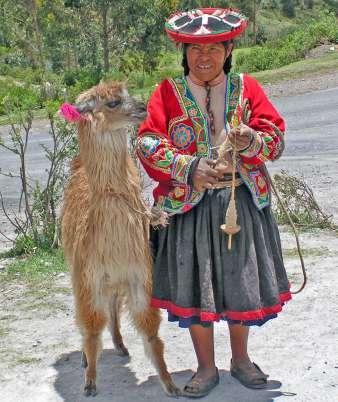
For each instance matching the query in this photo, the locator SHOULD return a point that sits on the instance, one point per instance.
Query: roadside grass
(12, 358)
(307, 252)
(8, 317)
(300, 69)
(4, 331)
(34, 280)
(27, 360)
(45, 307)
(39, 269)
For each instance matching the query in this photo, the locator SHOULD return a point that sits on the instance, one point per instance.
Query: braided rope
(208, 108)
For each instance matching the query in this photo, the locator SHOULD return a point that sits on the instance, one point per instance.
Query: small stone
(62, 275)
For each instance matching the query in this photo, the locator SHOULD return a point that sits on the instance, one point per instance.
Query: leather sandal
(197, 388)
(251, 378)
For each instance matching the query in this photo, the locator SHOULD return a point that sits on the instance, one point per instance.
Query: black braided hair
(226, 67)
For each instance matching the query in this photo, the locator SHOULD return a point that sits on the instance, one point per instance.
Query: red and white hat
(205, 25)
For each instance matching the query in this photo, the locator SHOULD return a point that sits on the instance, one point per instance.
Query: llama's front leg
(147, 323)
(114, 325)
(91, 325)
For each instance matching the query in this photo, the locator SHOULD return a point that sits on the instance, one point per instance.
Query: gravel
(302, 85)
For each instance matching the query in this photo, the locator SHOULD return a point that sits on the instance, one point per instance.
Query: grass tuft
(43, 266)
(307, 252)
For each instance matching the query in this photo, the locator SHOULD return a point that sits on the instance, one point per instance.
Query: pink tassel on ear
(69, 112)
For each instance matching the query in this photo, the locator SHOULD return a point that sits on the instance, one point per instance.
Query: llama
(105, 232)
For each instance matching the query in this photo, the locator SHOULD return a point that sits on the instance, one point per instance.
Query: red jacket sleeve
(266, 144)
(160, 158)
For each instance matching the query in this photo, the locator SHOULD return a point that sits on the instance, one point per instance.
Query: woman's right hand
(205, 174)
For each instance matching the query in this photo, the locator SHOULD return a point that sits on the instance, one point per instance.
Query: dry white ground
(40, 345)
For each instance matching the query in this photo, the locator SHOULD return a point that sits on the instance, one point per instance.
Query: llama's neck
(108, 163)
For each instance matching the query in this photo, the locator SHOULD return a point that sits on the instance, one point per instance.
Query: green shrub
(24, 74)
(24, 245)
(78, 80)
(4, 51)
(292, 48)
(14, 97)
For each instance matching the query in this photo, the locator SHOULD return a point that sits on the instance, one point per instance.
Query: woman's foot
(248, 374)
(201, 383)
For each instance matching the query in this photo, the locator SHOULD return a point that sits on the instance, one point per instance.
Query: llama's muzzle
(133, 108)
(140, 110)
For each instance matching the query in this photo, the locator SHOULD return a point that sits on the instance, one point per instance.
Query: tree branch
(9, 174)
(6, 237)
(17, 227)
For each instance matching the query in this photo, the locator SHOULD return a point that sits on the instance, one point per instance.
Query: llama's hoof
(90, 389)
(171, 390)
(121, 350)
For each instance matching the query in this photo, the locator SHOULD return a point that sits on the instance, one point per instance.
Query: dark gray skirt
(198, 280)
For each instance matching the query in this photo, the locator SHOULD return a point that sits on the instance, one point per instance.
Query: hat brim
(229, 32)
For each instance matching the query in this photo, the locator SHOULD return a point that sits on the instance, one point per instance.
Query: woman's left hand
(241, 136)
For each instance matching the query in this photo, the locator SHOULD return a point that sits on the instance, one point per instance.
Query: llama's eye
(113, 104)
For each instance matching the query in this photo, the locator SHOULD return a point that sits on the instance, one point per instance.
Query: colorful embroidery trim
(196, 116)
(182, 136)
(180, 167)
(149, 145)
(234, 94)
(254, 148)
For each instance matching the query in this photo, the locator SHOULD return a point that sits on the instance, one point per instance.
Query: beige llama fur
(105, 232)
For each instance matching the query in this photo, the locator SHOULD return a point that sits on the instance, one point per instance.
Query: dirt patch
(321, 50)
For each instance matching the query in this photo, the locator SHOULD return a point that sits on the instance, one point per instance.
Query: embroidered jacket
(175, 132)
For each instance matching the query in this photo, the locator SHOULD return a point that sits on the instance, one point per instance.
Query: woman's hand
(241, 136)
(207, 173)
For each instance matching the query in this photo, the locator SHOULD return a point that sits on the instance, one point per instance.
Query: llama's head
(108, 107)
(103, 112)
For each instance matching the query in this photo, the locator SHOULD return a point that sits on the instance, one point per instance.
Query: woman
(195, 276)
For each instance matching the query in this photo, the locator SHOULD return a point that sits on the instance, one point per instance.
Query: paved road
(36, 162)
(312, 143)
(311, 147)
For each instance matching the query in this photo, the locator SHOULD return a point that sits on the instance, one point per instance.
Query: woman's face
(206, 61)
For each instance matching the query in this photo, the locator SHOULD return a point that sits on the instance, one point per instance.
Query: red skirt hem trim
(186, 312)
